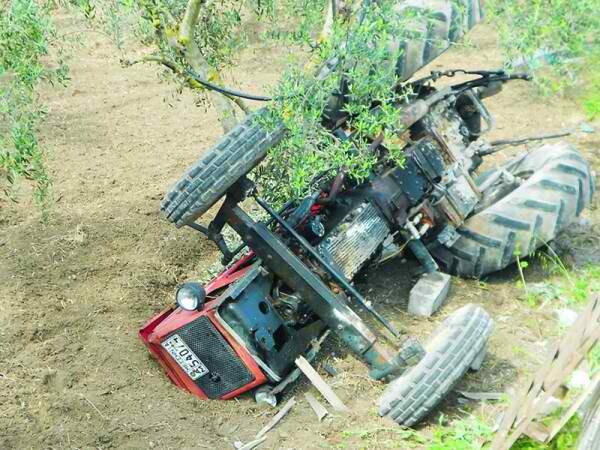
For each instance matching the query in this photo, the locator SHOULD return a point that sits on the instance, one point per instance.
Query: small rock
(566, 317)
(586, 127)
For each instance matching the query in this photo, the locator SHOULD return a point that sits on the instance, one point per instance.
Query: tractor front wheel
(452, 350)
(209, 178)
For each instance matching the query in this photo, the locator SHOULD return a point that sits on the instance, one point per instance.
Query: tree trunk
(198, 63)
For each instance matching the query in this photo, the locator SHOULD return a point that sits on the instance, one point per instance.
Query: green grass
(591, 98)
(566, 440)
(474, 433)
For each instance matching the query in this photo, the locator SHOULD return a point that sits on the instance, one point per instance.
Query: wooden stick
(277, 418)
(316, 406)
(320, 384)
(253, 444)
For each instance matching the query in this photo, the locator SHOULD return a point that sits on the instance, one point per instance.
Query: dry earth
(74, 291)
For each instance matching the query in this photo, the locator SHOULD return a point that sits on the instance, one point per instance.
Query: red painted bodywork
(171, 319)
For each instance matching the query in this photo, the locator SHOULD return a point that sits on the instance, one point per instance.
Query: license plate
(185, 357)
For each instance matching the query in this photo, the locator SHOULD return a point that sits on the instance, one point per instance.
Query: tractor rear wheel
(449, 354)
(432, 28)
(209, 178)
(554, 184)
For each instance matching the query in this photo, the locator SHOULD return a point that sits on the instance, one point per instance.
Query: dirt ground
(74, 291)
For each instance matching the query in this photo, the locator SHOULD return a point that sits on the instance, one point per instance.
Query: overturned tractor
(246, 328)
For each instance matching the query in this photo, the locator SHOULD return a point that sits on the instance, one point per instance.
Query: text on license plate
(184, 356)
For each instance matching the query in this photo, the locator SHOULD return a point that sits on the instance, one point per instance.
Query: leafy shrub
(366, 71)
(26, 34)
(591, 97)
(551, 36)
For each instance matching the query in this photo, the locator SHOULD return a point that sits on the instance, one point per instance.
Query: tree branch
(171, 65)
(330, 13)
(190, 18)
(198, 63)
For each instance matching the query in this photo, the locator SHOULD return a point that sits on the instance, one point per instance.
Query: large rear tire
(558, 186)
(449, 354)
(209, 178)
(434, 26)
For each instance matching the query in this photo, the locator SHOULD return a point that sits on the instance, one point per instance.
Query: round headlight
(190, 296)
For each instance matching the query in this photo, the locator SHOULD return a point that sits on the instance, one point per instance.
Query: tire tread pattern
(208, 179)
(456, 344)
(561, 186)
(436, 26)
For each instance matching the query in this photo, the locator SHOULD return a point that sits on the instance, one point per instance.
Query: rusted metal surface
(519, 417)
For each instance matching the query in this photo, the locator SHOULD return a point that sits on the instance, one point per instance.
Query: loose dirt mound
(73, 373)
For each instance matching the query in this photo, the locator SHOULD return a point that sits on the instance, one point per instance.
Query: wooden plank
(573, 409)
(537, 431)
(566, 356)
(320, 384)
(316, 406)
(276, 418)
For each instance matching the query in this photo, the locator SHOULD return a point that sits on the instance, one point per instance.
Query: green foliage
(471, 433)
(591, 98)
(383, 437)
(366, 72)
(26, 61)
(565, 440)
(549, 34)
(290, 21)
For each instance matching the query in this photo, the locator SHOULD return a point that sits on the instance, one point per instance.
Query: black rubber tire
(209, 178)
(450, 353)
(589, 439)
(560, 186)
(436, 26)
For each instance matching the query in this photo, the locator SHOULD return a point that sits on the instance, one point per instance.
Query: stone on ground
(429, 294)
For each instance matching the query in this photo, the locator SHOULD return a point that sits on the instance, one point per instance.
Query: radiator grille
(227, 372)
(353, 242)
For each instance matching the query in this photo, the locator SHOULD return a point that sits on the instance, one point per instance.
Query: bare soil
(75, 290)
